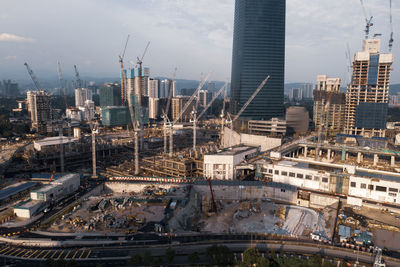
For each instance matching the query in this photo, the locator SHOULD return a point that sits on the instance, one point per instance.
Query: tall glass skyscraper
(258, 51)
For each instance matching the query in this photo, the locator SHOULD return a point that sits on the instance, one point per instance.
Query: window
(316, 178)
(370, 187)
(380, 188)
(363, 186)
(284, 173)
(277, 172)
(270, 171)
(353, 184)
(324, 179)
(283, 190)
(393, 190)
(292, 174)
(392, 194)
(308, 177)
(299, 175)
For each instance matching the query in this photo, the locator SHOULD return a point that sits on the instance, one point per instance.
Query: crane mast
(368, 21)
(165, 113)
(123, 80)
(78, 78)
(33, 77)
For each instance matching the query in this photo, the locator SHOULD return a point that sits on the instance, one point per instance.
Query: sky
(193, 35)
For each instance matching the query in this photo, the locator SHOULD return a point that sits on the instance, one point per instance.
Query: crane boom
(251, 98)
(368, 22)
(191, 98)
(33, 77)
(140, 60)
(391, 28)
(213, 99)
(78, 78)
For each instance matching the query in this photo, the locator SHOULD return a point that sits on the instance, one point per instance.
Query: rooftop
(27, 204)
(56, 140)
(234, 150)
(14, 189)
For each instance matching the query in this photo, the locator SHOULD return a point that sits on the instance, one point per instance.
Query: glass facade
(371, 115)
(258, 51)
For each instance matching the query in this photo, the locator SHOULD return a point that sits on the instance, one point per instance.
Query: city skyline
(181, 34)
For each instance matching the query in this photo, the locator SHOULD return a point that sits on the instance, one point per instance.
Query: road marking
(75, 254)
(44, 256)
(14, 251)
(4, 249)
(83, 252)
(55, 252)
(27, 253)
(59, 256)
(33, 253)
(88, 254)
(19, 253)
(66, 256)
(37, 256)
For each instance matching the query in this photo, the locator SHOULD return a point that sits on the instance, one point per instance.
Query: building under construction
(329, 105)
(367, 96)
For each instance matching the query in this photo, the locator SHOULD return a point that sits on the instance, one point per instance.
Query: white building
(58, 188)
(42, 197)
(81, 95)
(50, 142)
(222, 164)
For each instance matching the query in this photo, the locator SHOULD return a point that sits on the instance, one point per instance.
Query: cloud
(8, 37)
(10, 57)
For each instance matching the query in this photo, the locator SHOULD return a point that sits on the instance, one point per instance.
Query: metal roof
(12, 190)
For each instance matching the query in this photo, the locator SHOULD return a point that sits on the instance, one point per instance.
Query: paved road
(90, 256)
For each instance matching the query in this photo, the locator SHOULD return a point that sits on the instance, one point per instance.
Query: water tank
(297, 119)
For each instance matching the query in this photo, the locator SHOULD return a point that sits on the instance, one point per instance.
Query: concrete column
(347, 156)
(297, 153)
(376, 159)
(305, 151)
(358, 157)
(393, 161)
(329, 154)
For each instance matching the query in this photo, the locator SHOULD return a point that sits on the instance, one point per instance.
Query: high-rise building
(39, 109)
(258, 51)
(307, 91)
(154, 87)
(368, 93)
(329, 105)
(165, 86)
(177, 106)
(137, 81)
(81, 95)
(205, 98)
(9, 89)
(295, 94)
(110, 95)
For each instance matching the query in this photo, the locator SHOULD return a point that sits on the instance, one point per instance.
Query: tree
(148, 258)
(251, 257)
(220, 255)
(170, 254)
(136, 259)
(193, 257)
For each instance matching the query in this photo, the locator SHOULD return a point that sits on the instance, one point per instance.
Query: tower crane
(368, 21)
(33, 77)
(166, 111)
(135, 128)
(223, 117)
(391, 28)
(185, 107)
(196, 118)
(123, 80)
(140, 60)
(231, 121)
(78, 78)
(94, 130)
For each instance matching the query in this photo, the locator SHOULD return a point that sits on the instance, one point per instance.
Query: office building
(110, 95)
(329, 105)
(9, 89)
(81, 95)
(115, 116)
(274, 127)
(39, 109)
(367, 94)
(258, 51)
